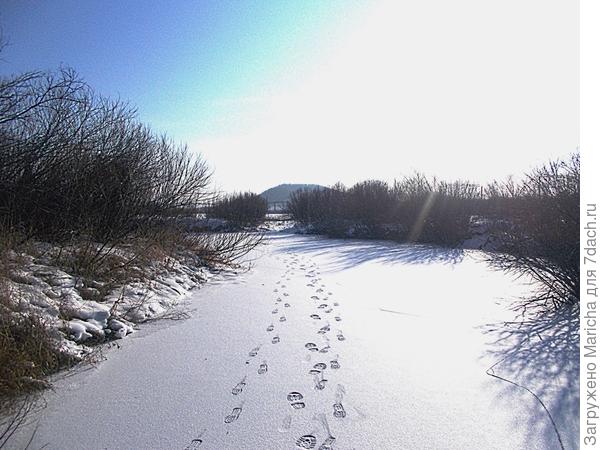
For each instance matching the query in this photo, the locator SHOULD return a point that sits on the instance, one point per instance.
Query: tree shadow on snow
(537, 362)
(348, 253)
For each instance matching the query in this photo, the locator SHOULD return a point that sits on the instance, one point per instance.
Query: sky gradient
(315, 92)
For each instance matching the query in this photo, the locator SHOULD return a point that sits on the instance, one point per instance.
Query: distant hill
(282, 192)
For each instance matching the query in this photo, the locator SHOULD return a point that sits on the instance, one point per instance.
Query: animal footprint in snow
(315, 297)
(270, 328)
(286, 305)
(311, 347)
(319, 290)
(330, 293)
(340, 336)
(282, 319)
(275, 290)
(275, 311)
(322, 306)
(328, 310)
(238, 388)
(254, 352)
(275, 340)
(306, 441)
(336, 304)
(338, 319)
(315, 317)
(295, 400)
(263, 368)
(285, 294)
(235, 413)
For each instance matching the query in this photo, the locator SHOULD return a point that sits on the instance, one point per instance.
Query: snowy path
(324, 344)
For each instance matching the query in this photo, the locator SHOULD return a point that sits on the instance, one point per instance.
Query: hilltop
(282, 192)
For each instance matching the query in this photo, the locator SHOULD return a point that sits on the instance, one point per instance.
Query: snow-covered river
(329, 344)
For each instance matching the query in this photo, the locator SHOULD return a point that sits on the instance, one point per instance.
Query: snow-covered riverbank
(79, 311)
(376, 344)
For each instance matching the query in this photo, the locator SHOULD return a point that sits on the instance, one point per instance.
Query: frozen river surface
(331, 344)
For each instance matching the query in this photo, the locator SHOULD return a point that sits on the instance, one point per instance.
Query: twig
(490, 372)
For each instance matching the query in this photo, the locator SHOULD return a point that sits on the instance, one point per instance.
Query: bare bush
(541, 237)
(414, 209)
(244, 209)
(223, 248)
(74, 162)
(535, 221)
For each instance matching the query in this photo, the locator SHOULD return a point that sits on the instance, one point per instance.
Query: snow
(405, 366)
(39, 287)
(120, 329)
(78, 330)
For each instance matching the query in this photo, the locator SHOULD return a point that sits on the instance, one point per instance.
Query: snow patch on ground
(62, 300)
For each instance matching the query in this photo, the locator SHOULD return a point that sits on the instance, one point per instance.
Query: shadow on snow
(537, 360)
(348, 253)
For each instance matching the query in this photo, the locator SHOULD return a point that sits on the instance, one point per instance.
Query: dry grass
(28, 352)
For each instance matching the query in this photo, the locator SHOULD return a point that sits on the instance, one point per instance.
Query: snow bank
(62, 301)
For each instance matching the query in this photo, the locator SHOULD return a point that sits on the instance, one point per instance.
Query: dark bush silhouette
(535, 222)
(541, 236)
(72, 162)
(244, 209)
(413, 209)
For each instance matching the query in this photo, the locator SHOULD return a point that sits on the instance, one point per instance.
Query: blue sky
(320, 91)
(174, 60)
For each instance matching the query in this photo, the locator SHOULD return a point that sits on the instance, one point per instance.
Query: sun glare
(404, 90)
